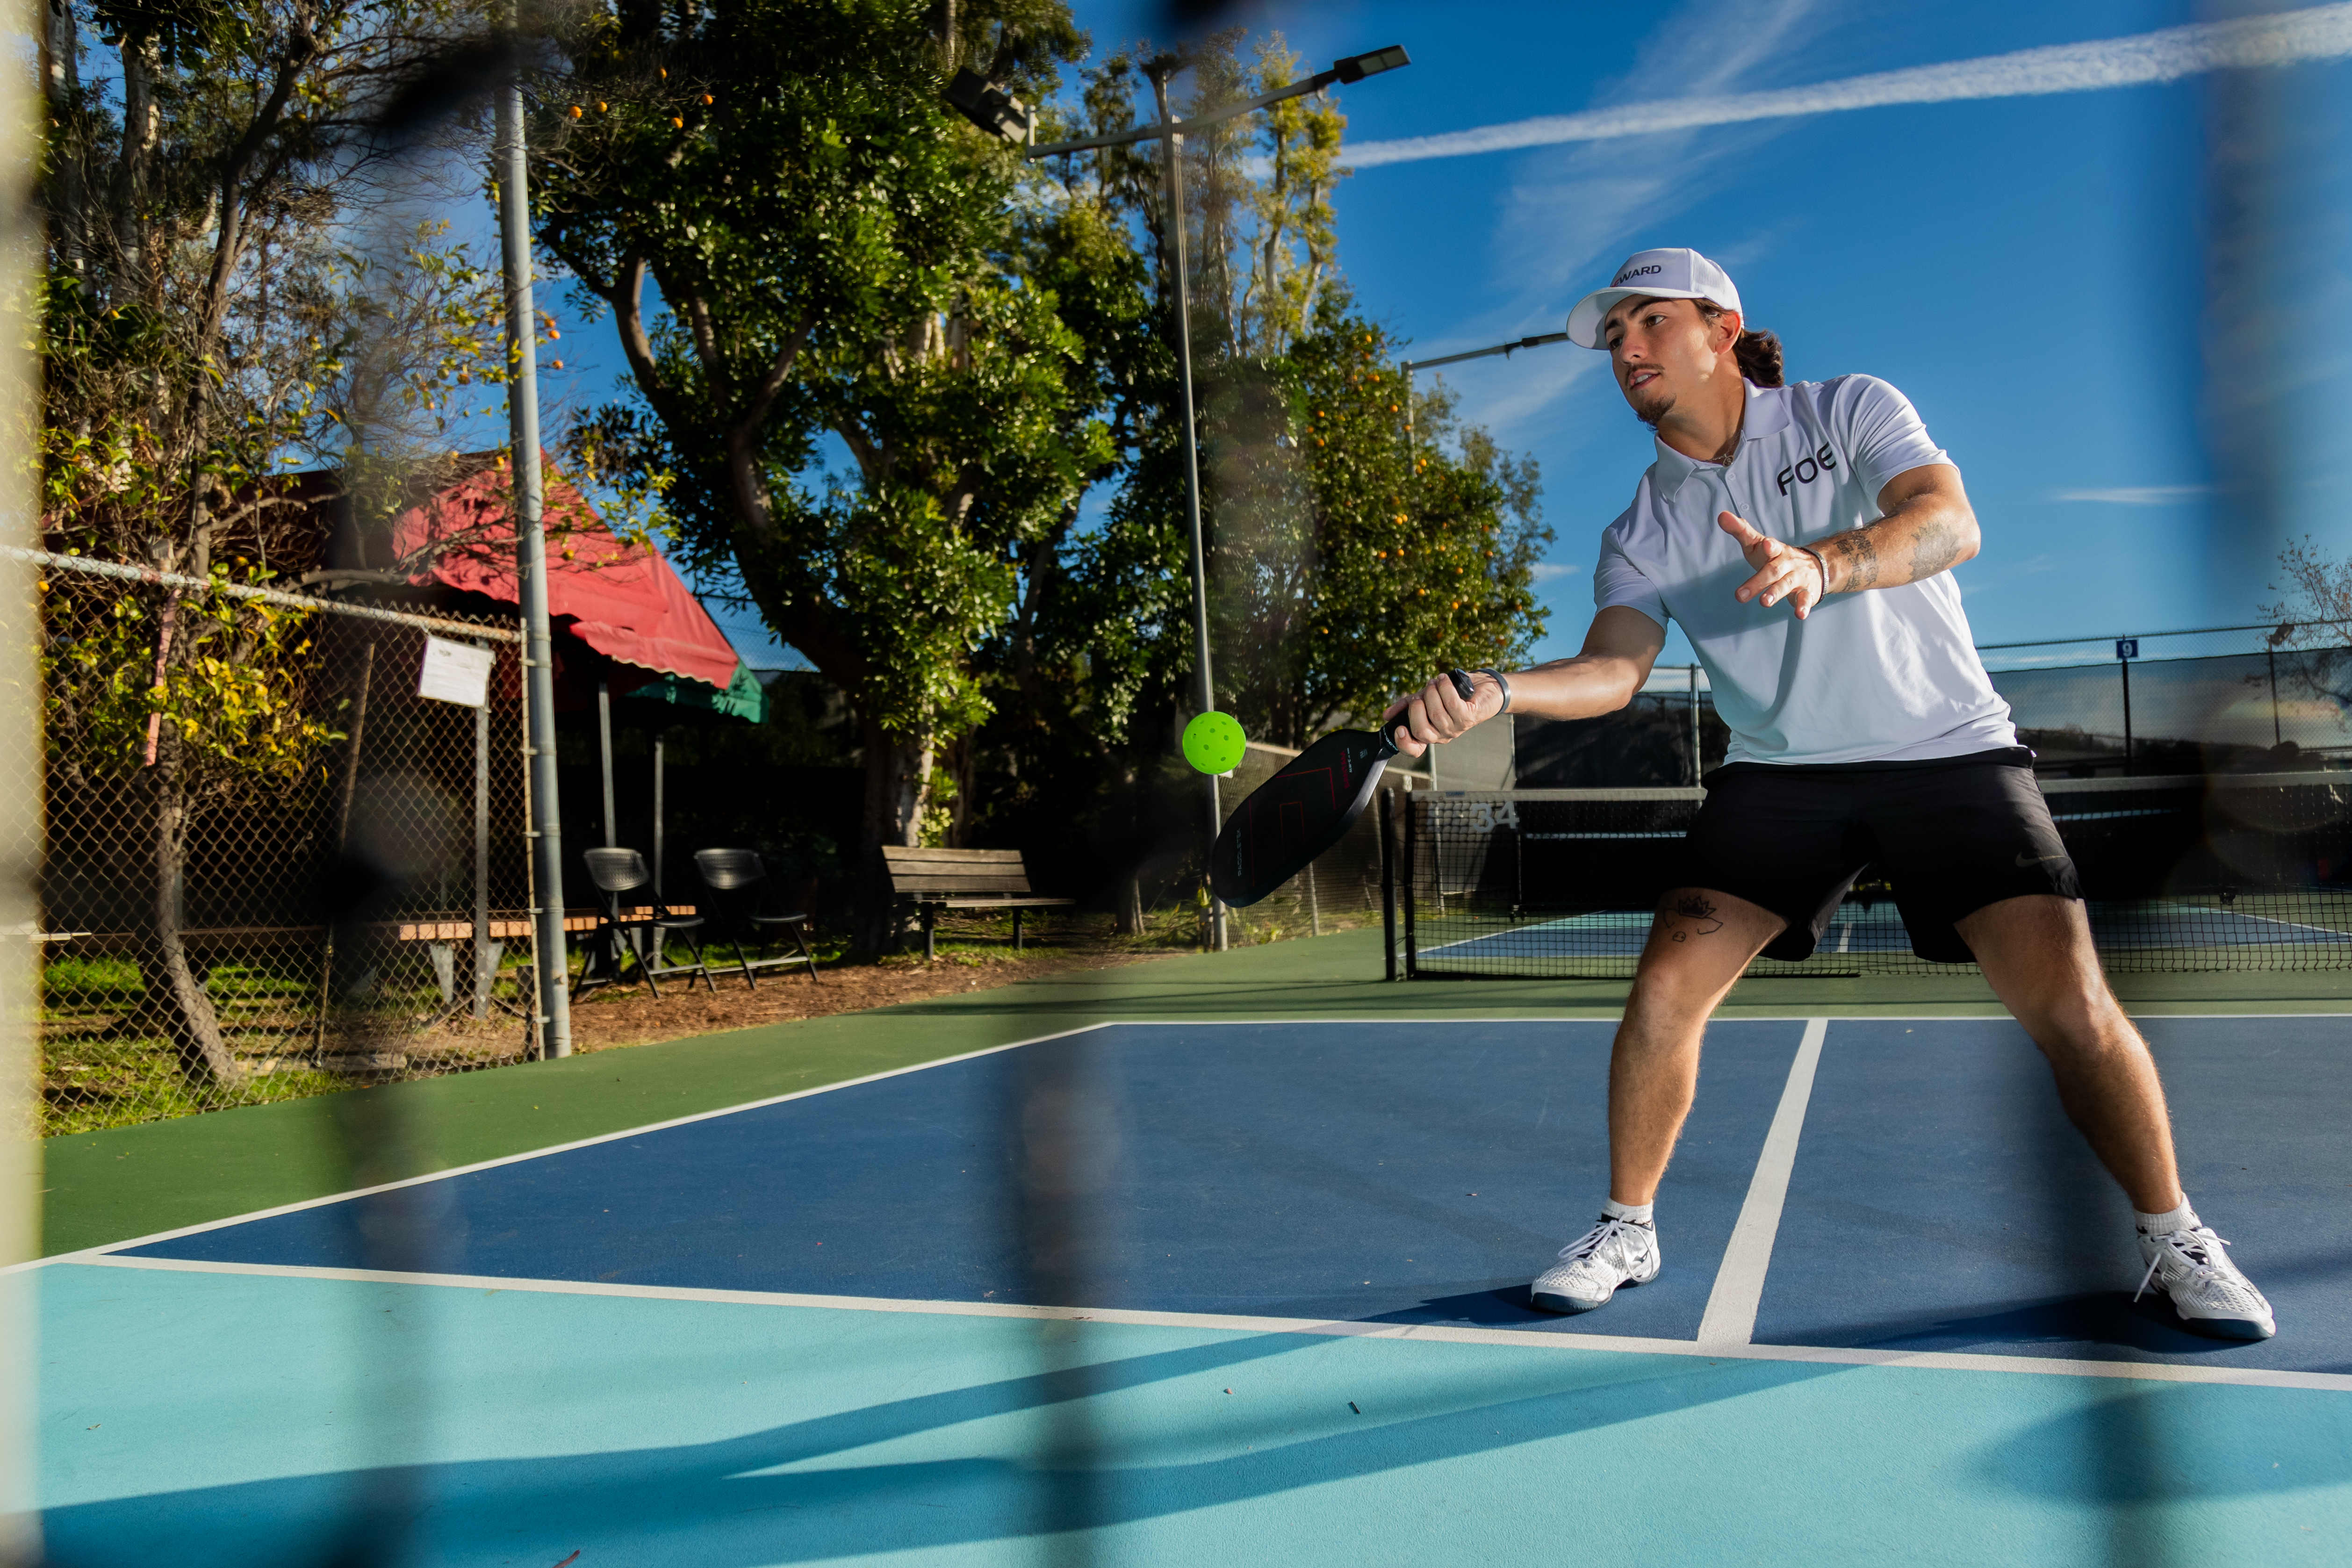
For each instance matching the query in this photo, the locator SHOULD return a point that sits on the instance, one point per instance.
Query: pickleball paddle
(1302, 811)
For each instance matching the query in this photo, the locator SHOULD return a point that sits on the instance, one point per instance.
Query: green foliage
(232, 692)
(1420, 560)
(827, 243)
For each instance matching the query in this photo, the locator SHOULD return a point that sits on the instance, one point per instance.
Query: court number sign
(1479, 815)
(2127, 647)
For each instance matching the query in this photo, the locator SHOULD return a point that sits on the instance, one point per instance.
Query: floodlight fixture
(1356, 67)
(989, 106)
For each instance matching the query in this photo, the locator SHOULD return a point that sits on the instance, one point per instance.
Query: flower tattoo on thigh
(1693, 907)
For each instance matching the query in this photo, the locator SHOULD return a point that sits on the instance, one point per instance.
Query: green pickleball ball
(1213, 743)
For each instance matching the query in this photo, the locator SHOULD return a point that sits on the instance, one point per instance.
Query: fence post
(486, 951)
(1410, 864)
(2270, 656)
(530, 571)
(2125, 665)
(1693, 728)
(1387, 892)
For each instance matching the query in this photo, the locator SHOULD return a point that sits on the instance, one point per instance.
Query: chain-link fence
(2220, 698)
(285, 845)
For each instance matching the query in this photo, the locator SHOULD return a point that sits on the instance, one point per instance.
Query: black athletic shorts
(1952, 835)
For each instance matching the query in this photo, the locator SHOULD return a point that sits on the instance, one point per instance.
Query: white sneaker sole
(1569, 1306)
(2227, 1328)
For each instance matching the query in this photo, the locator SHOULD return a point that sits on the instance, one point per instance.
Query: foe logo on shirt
(1805, 470)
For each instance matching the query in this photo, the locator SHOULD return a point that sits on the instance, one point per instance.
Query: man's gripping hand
(1782, 571)
(1437, 712)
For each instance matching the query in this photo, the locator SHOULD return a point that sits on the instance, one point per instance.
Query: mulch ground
(630, 1015)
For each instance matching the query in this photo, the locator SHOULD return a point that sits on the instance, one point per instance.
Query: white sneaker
(1590, 1268)
(2206, 1289)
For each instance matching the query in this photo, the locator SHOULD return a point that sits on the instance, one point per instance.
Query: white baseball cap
(1652, 275)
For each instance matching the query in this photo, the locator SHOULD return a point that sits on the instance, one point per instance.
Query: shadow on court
(2107, 1318)
(723, 1504)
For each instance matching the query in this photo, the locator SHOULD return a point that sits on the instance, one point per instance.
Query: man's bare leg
(2036, 952)
(1698, 946)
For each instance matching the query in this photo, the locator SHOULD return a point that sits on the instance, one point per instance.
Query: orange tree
(1347, 566)
(1306, 479)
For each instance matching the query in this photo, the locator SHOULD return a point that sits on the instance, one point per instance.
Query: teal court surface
(1239, 1292)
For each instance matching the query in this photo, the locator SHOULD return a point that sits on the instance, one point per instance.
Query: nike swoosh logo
(2025, 860)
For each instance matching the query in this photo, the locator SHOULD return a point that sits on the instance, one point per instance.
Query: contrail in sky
(2320, 33)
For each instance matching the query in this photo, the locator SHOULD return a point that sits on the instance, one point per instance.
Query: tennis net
(2181, 874)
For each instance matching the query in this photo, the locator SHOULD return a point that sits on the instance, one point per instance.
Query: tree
(827, 242)
(1303, 462)
(202, 324)
(2315, 623)
(1381, 563)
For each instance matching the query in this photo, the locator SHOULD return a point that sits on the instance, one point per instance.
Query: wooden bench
(936, 879)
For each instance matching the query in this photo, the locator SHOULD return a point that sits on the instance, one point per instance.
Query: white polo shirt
(1883, 675)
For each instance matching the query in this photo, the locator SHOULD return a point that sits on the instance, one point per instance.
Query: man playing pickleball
(1804, 538)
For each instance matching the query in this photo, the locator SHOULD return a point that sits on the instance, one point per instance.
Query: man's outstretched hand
(1437, 712)
(1782, 571)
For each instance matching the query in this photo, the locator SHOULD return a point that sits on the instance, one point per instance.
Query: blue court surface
(1255, 1293)
(2150, 926)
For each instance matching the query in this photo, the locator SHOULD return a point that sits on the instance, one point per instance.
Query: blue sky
(2030, 269)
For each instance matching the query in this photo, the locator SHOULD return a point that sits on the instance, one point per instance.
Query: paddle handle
(1463, 686)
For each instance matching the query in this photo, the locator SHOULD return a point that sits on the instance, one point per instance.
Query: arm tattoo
(1694, 906)
(1861, 552)
(1935, 546)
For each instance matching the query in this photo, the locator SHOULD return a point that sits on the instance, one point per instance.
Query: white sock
(1637, 1214)
(2182, 1218)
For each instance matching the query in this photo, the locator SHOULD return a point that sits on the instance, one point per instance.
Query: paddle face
(1296, 814)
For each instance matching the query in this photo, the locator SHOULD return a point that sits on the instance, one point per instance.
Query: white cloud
(2319, 33)
(2136, 495)
(1551, 571)
(1569, 216)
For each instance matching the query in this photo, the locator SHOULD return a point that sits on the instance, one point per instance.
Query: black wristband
(1501, 682)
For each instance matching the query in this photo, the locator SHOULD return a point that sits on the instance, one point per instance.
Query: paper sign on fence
(455, 672)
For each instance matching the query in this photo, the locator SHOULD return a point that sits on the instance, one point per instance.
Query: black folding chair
(739, 882)
(618, 871)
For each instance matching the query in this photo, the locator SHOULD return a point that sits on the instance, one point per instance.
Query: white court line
(90, 1254)
(1441, 1333)
(1730, 1318)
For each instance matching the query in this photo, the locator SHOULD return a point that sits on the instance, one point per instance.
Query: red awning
(622, 600)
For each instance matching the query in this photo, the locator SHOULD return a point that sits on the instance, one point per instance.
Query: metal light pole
(1171, 170)
(530, 567)
(1353, 68)
(1505, 349)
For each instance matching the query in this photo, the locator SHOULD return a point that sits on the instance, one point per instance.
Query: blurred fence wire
(284, 845)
